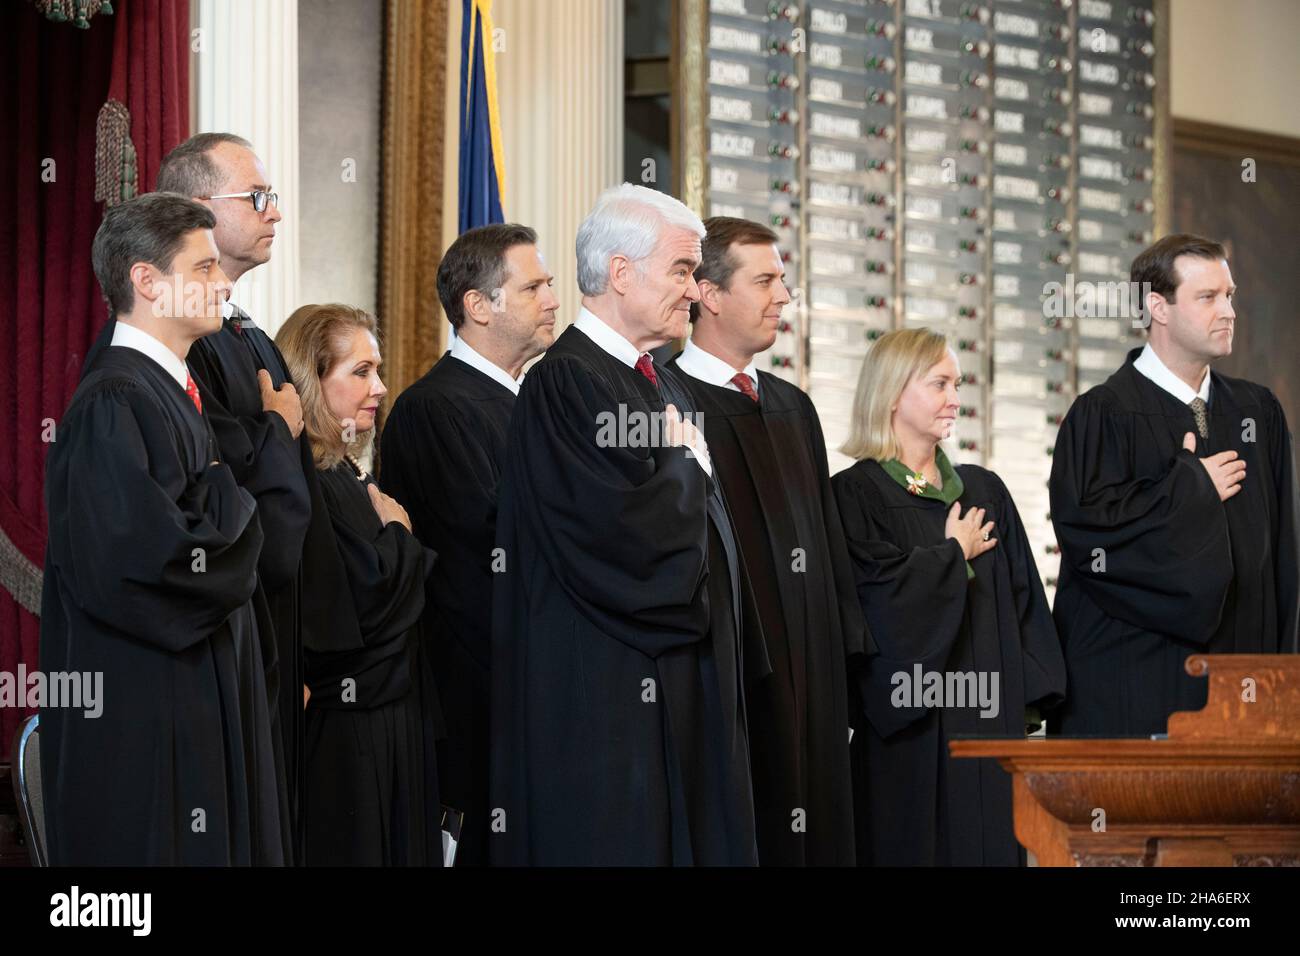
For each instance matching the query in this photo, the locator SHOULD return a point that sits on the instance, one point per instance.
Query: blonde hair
(314, 340)
(895, 359)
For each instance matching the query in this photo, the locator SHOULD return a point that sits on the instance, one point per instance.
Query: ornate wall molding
(410, 225)
(688, 97)
(1235, 143)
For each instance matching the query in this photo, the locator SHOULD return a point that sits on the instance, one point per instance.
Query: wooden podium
(1223, 789)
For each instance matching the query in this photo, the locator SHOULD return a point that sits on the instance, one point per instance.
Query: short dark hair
(149, 228)
(717, 264)
(1155, 264)
(477, 261)
(189, 170)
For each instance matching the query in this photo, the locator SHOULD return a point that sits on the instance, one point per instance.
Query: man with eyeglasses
(257, 418)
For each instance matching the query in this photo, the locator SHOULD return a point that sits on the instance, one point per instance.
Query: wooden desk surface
(1222, 789)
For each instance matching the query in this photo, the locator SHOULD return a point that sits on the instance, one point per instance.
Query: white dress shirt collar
(1149, 364)
(229, 310)
(129, 337)
(460, 349)
(710, 369)
(606, 338)
(613, 343)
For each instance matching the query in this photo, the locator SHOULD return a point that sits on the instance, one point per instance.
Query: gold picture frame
(411, 191)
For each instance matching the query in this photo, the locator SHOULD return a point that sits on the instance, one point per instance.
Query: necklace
(356, 466)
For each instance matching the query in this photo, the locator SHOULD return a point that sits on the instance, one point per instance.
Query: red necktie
(646, 366)
(745, 384)
(192, 391)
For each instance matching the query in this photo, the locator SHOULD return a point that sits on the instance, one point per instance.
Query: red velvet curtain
(50, 306)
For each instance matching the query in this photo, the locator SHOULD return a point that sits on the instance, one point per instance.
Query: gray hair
(189, 170)
(627, 220)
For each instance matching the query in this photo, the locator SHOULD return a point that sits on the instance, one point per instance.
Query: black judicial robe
(720, 805)
(443, 448)
(771, 459)
(276, 468)
(150, 569)
(916, 806)
(1184, 572)
(613, 739)
(370, 798)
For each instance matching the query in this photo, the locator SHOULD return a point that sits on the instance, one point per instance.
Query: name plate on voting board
(985, 169)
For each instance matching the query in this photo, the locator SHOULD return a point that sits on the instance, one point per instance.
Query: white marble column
(246, 78)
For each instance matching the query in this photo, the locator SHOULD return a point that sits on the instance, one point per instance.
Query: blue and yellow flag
(482, 164)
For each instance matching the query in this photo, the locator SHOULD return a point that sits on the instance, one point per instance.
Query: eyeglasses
(259, 198)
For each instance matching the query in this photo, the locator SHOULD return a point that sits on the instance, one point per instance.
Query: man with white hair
(618, 733)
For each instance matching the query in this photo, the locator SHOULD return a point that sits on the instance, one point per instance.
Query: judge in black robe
(444, 447)
(442, 456)
(276, 468)
(720, 803)
(916, 806)
(370, 795)
(770, 457)
(963, 638)
(267, 458)
(616, 732)
(1154, 566)
(367, 800)
(151, 566)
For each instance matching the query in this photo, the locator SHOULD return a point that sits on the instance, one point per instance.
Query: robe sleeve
(266, 461)
(385, 569)
(1163, 538)
(857, 636)
(444, 475)
(1043, 661)
(624, 530)
(913, 599)
(1286, 544)
(159, 554)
